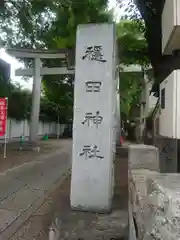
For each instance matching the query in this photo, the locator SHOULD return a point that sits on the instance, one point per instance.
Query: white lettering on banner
(3, 116)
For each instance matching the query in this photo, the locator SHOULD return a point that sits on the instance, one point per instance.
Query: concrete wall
(142, 156)
(17, 128)
(169, 148)
(168, 154)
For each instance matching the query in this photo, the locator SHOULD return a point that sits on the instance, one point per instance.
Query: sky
(15, 64)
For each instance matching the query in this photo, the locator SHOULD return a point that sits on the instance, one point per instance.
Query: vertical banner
(3, 121)
(3, 116)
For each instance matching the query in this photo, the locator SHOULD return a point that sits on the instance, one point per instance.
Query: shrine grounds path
(28, 178)
(35, 193)
(15, 157)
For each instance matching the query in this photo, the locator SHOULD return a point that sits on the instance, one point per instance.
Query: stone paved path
(72, 225)
(82, 225)
(24, 187)
(15, 157)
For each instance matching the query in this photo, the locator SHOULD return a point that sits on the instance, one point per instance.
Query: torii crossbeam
(37, 72)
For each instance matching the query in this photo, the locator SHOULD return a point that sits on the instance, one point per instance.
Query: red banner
(3, 116)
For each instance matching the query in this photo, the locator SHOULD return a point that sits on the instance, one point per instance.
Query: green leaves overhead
(37, 23)
(130, 91)
(151, 12)
(132, 50)
(52, 24)
(131, 42)
(130, 10)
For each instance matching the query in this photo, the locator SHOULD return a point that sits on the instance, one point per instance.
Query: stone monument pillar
(94, 128)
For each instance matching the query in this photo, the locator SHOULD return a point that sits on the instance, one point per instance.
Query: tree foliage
(19, 101)
(52, 25)
(130, 92)
(59, 94)
(151, 11)
(132, 50)
(131, 43)
(19, 104)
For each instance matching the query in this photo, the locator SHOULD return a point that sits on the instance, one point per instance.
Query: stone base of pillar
(169, 154)
(92, 210)
(98, 199)
(30, 146)
(142, 156)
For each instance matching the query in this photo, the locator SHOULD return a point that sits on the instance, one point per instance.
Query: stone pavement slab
(23, 189)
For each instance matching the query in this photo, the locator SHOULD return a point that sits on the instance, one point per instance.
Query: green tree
(130, 92)
(19, 101)
(132, 50)
(58, 91)
(19, 104)
(52, 25)
(151, 11)
(131, 43)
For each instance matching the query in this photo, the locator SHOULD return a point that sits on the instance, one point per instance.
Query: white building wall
(170, 106)
(170, 26)
(15, 129)
(150, 99)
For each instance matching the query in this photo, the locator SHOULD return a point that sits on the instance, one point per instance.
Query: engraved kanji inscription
(94, 53)
(90, 152)
(93, 119)
(93, 86)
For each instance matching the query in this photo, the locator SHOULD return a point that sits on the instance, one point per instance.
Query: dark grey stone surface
(143, 157)
(168, 154)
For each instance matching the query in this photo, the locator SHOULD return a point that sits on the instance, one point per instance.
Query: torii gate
(37, 72)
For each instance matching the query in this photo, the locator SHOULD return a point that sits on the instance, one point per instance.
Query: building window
(163, 98)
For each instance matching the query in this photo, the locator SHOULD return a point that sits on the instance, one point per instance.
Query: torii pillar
(36, 96)
(37, 72)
